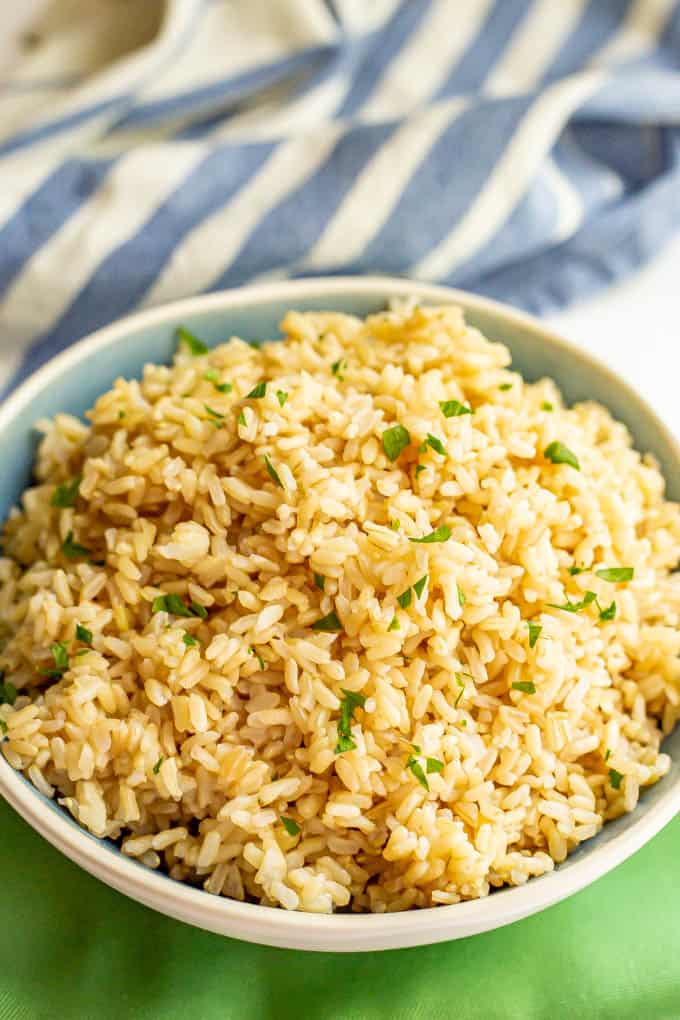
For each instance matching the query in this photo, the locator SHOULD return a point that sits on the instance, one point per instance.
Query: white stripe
(511, 175)
(360, 16)
(55, 274)
(569, 204)
(639, 33)
(427, 59)
(533, 46)
(378, 188)
(211, 247)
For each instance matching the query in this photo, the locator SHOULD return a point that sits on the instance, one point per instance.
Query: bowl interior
(82, 374)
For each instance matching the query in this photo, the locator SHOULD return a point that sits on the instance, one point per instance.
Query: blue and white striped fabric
(527, 149)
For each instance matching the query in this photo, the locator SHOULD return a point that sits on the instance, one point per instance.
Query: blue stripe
(451, 176)
(482, 53)
(595, 27)
(121, 280)
(54, 127)
(232, 89)
(608, 247)
(380, 49)
(589, 176)
(289, 230)
(45, 211)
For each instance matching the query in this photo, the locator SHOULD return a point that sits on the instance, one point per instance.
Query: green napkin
(72, 949)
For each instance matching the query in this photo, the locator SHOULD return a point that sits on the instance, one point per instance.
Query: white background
(634, 326)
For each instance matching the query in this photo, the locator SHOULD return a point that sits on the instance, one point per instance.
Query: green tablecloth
(72, 949)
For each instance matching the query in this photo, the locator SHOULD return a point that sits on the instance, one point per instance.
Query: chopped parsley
(272, 472)
(83, 634)
(454, 408)
(608, 754)
(60, 656)
(574, 571)
(121, 415)
(534, 632)
(338, 367)
(558, 453)
(440, 534)
(195, 346)
(66, 494)
(461, 683)
(576, 607)
(608, 614)
(417, 769)
(213, 376)
(290, 825)
(419, 586)
(616, 574)
(395, 524)
(436, 444)
(433, 765)
(351, 701)
(404, 599)
(394, 440)
(419, 468)
(242, 419)
(257, 392)
(157, 767)
(71, 549)
(319, 581)
(189, 640)
(394, 625)
(527, 686)
(8, 692)
(282, 397)
(329, 623)
(547, 406)
(260, 660)
(217, 418)
(505, 386)
(615, 778)
(461, 596)
(175, 604)
(3, 727)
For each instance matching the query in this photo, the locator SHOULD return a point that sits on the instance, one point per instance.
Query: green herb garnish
(66, 494)
(394, 440)
(609, 613)
(440, 534)
(329, 623)
(257, 392)
(454, 408)
(527, 686)
(189, 640)
(534, 632)
(574, 571)
(547, 406)
(436, 444)
(338, 367)
(395, 524)
(8, 692)
(351, 701)
(461, 683)
(404, 599)
(576, 607)
(417, 769)
(419, 468)
(505, 386)
(71, 549)
(198, 610)
(616, 574)
(83, 634)
(260, 660)
(290, 825)
(558, 453)
(319, 581)
(282, 397)
(241, 418)
(272, 472)
(394, 625)
(170, 604)
(217, 418)
(433, 765)
(194, 345)
(615, 778)
(213, 376)
(60, 656)
(419, 586)
(461, 596)
(608, 754)
(3, 727)
(157, 767)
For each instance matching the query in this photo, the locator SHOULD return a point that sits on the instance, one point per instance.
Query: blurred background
(525, 149)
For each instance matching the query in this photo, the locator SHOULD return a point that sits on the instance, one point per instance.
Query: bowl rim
(274, 925)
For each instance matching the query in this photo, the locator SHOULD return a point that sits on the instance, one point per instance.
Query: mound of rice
(233, 656)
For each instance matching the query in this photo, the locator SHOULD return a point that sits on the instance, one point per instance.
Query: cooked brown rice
(484, 751)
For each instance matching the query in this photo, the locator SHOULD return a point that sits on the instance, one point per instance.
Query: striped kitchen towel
(150, 149)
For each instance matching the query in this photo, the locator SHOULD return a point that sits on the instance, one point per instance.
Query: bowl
(72, 381)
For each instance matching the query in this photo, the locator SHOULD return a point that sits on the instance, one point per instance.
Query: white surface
(275, 926)
(634, 327)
